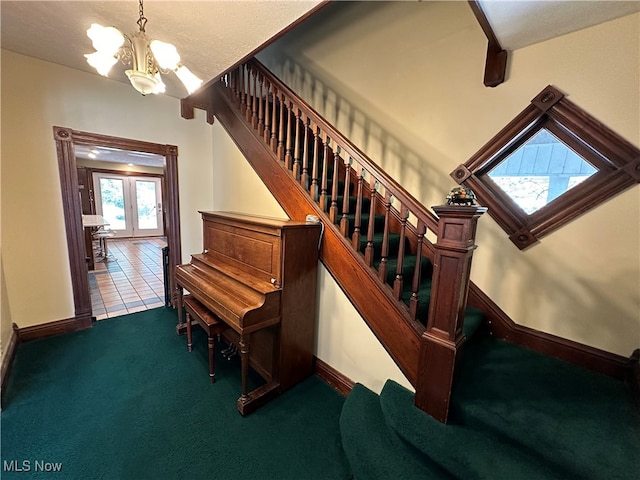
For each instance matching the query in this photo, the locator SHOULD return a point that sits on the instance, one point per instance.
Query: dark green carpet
(125, 400)
(582, 424)
(515, 414)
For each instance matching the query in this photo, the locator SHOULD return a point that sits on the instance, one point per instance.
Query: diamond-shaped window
(550, 164)
(539, 171)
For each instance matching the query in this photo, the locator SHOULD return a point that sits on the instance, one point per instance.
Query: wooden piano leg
(212, 355)
(251, 400)
(189, 337)
(181, 327)
(244, 365)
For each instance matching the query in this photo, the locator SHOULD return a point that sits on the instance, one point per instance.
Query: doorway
(66, 141)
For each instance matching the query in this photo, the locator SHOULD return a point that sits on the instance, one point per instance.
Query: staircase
(515, 414)
(411, 292)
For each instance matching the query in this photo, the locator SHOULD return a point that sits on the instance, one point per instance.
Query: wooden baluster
(398, 283)
(417, 272)
(382, 268)
(304, 177)
(344, 220)
(296, 147)
(369, 252)
(261, 101)
(287, 156)
(237, 86)
(325, 170)
(236, 81)
(254, 101)
(333, 210)
(241, 103)
(283, 110)
(357, 221)
(247, 93)
(274, 120)
(315, 169)
(232, 86)
(267, 115)
(250, 76)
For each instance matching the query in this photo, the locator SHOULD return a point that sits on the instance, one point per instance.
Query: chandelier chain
(142, 21)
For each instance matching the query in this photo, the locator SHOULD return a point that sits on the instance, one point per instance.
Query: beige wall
(404, 81)
(36, 96)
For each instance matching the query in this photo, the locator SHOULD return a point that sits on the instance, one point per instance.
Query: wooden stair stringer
(384, 315)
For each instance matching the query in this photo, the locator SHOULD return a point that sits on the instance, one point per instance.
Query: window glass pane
(112, 196)
(541, 170)
(530, 193)
(146, 202)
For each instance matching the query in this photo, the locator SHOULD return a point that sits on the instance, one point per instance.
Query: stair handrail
(404, 197)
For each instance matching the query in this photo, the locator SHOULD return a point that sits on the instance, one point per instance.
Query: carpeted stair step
(353, 202)
(473, 320)
(378, 224)
(408, 267)
(375, 451)
(393, 243)
(581, 423)
(462, 451)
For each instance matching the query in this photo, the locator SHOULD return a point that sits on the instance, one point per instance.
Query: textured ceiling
(520, 23)
(210, 35)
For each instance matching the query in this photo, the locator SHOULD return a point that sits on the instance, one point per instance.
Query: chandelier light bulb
(106, 40)
(101, 62)
(188, 79)
(165, 54)
(160, 86)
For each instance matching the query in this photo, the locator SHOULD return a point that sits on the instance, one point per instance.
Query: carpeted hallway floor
(125, 400)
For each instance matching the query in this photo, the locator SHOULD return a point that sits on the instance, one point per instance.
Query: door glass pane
(146, 202)
(112, 196)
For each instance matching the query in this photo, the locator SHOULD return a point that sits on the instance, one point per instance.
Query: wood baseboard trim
(333, 377)
(51, 329)
(633, 379)
(7, 359)
(501, 326)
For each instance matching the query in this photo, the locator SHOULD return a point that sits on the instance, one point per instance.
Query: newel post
(441, 341)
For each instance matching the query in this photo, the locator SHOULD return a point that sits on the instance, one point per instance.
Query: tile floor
(132, 281)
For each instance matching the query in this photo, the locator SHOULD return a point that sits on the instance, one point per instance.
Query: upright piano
(259, 276)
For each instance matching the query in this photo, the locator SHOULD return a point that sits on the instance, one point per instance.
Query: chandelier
(147, 59)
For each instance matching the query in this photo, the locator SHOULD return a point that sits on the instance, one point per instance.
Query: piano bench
(209, 323)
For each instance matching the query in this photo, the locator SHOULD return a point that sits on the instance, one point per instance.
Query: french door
(131, 205)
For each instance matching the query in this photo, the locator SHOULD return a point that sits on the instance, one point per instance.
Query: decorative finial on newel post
(461, 196)
(450, 285)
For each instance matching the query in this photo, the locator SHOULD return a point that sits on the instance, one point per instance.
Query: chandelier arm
(125, 52)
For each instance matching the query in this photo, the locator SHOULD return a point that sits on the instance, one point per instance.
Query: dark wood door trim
(65, 139)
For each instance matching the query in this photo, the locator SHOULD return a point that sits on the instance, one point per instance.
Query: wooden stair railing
(411, 292)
